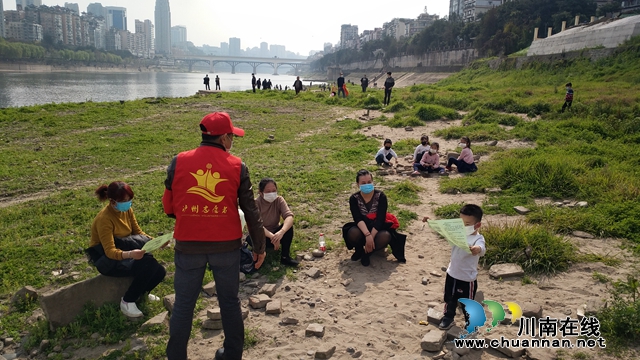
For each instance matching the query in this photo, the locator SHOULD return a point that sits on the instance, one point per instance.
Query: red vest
(205, 195)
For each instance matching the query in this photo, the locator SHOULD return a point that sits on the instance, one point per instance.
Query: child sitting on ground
(464, 163)
(421, 149)
(462, 272)
(430, 161)
(385, 154)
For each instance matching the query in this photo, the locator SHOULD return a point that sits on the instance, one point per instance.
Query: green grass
(451, 211)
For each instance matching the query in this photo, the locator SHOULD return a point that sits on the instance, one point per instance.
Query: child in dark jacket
(568, 98)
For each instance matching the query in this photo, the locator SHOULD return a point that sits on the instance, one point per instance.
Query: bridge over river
(275, 62)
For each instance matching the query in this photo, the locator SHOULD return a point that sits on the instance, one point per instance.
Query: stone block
(274, 307)
(509, 351)
(583, 235)
(454, 332)
(505, 271)
(168, 302)
(289, 321)
(268, 289)
(27, 293)
(313, 273)
(242, 277)
(434, 316)
(433, 340)
(214, 314)
(325, 352)
(160, 319)
(541, 354)
(521, 210)
(212, 324)
(531, 310)
(314, 330)
(317, 253)
(259, 301)
(582, 204)
(492, 143)
(61, 306)
(452, 155)
(210, 288)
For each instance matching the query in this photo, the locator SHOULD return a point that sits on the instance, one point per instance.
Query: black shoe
(357, 255)
(220, 354)
(446, 323)
(287, 261)
(365, 260)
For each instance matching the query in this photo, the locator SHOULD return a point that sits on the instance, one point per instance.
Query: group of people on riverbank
(205, 189)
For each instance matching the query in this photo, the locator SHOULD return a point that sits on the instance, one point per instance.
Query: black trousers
(462, 166)
(567, 104)
(387, 96)
(207, 87)
(285, 242)
(147, 274)
(253, 87)
(217, 86)
(455, 289)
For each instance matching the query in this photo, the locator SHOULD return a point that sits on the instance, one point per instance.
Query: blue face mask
(123, 206)
(366, 188)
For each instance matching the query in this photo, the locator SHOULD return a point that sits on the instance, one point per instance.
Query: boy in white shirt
(462, 273)
(421, 149)
(385, 154)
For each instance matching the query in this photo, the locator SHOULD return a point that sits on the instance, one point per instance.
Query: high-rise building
(22, 4)
(277, 50)
(224, 48)
(178, 34)
(473, 8)
(116, 17)
(456, 9)
(1, 19)
(73, 6)
(264, 49)
(146, 30)
(348, 35)
(234, 47)
(163, 27)
(97, 10)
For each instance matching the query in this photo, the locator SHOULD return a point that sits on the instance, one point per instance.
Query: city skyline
(284, 22)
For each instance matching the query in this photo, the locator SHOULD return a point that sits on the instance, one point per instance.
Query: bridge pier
(211, 66)
(275, 68)
(190, 66)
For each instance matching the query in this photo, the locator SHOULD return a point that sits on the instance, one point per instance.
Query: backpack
(246, 260)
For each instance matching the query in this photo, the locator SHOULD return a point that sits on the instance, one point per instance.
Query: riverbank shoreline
(21, 68)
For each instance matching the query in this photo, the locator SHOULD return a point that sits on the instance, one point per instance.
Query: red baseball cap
(219, 123)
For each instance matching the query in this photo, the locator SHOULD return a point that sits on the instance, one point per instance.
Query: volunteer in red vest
(203, 189)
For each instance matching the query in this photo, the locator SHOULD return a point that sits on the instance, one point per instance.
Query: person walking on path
(568, 97)
(217, 83)
(253, 82)
(203, 190)
(364, 82)
(206, 82)
(297, 85)
(388, 85)
(341, 86)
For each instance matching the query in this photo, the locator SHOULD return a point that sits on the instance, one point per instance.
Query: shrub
(435, 112)
(405, 192)
(620, 321)
(476, 132)
(486, 116)
(535, 248)
(399, 121)
(451, 211)
(396, 106)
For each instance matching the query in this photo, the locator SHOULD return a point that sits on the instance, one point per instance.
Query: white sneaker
(153, 298)
(130, 309)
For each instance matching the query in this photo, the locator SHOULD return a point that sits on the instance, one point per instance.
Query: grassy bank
(56, 155)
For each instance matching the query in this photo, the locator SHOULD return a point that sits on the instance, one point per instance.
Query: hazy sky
(299, 25)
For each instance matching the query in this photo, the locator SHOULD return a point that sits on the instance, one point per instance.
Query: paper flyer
(157, 243)
(452, 230)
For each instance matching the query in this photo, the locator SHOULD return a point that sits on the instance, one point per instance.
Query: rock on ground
(168, 302)
(521, 210)
(160, 319)
(531, 310)
(27, 293)
(433, 340)
(268, 289)
(210, 288)
(314, 330)
(313, 273)
(325, 352)
(259, 301)
(505, 270)
(274, 307)
(214, 314)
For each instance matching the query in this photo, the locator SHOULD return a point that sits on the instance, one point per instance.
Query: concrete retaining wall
(609, 34)
(519, 62)
(435, 61)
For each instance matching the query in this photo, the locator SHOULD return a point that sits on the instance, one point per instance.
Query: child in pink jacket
(464, 163)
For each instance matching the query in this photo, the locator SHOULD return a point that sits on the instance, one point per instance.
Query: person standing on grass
(203, 190)
(465, 162)
(462, 272)
(568, 97)
(389, 83)
(206, 82)
(253, 82)
(273, 208)
(341, 86)
(217, 83)
(297, 85)
(109, 231)
(364, 82)
(258, 83)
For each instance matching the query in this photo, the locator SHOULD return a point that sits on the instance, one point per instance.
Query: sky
(301, 26)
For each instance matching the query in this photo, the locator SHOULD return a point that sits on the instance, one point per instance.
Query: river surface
(23, 89)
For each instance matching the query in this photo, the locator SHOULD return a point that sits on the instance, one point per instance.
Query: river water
(22, 89)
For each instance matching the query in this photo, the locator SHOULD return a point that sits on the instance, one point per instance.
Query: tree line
(500, 31)
(25, 51)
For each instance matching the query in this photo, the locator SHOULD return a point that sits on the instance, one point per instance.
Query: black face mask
(424, 143)
(388, 148)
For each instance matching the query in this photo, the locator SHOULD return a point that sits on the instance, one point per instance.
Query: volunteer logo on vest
(207, 183)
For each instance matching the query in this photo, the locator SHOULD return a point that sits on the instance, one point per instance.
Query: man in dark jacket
(297, 85)
(388, 85)
(253, 82)
(203, 189)
(364, 82)
(341, 85)
(206, 82)
(217, 83)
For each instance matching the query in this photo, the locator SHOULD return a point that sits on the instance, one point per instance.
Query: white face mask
(462, 145)
(270, 197)
(433, 151)
(470, 229)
